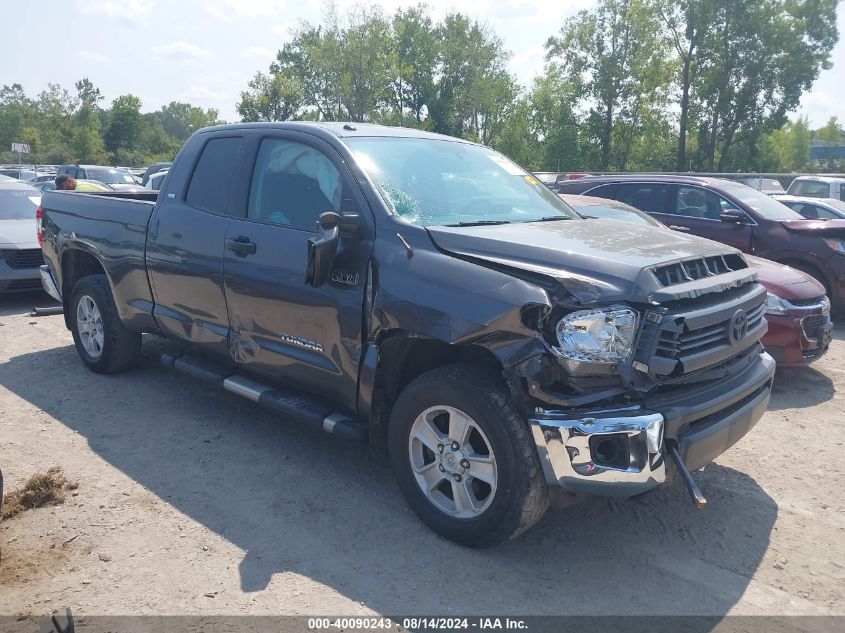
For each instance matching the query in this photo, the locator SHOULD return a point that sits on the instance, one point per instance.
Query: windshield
(111, 176)
(18, 204)
(766, 206)
(613, 212)
(432, 182)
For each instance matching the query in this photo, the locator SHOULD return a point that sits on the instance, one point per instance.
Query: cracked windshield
(432, 182)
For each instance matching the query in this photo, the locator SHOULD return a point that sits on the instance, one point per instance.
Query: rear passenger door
(185, 246)
(280, 325)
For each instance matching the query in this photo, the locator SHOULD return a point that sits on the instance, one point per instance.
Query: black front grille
(22, 285)
(696, 334)
(692, 269)
(695, 341)
(24, 258)
(811, 324)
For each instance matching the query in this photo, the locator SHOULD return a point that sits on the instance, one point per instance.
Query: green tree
(785, 149)
(831, 132)
(124, 127)
(415, 49)
(618, 51)
(277, 97)
(761, 55)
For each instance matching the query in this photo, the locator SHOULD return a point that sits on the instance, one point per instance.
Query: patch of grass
(42, 489)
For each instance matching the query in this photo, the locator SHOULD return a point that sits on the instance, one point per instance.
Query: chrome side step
(288, 402)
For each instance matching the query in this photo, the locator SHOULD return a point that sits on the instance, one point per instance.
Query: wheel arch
(76, 264)
(402, 357)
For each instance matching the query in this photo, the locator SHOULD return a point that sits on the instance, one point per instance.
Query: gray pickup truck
(430, 296)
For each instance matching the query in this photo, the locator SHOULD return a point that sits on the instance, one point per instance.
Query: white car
(154, 183)
(20, 253)
(818, 187)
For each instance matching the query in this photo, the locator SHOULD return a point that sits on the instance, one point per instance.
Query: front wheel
(103, 343)
(464, 459)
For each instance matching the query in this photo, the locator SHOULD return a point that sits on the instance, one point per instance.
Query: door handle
(675, 227)
(241, 246)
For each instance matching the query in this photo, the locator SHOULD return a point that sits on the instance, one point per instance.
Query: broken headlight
(597, 336)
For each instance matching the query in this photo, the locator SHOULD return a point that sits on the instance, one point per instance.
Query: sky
(205, 51)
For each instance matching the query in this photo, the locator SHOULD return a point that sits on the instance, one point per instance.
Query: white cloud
(127, 11)
(92, 57)
(283, 29)
(184, 51)
(204, 94)
(258, 52)
(226, 9)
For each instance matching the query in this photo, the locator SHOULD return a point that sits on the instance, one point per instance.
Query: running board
(288, 402)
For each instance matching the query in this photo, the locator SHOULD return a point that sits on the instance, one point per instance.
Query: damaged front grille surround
(698, 268)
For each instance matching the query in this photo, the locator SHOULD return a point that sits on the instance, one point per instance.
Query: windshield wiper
(480, 223)
(551, 218)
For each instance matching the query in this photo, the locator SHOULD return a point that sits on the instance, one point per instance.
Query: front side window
(293, 184)
(433, 182)
(694, 202)
(649, 197)
(765, 206)
(209, 188)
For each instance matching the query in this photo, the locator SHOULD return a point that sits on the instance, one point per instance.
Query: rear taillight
(39, 215)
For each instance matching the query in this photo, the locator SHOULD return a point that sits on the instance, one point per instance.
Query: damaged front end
(628, 395)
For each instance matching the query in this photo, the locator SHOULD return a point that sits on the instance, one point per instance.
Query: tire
(114, 347)
(478, 514)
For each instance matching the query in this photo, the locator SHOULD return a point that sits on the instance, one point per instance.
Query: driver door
(279, 325)
(696, 210)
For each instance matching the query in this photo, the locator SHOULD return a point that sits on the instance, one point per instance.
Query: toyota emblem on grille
(738, 327)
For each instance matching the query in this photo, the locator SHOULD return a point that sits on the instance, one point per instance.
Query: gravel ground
(195, 501)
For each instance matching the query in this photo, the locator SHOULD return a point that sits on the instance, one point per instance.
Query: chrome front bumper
(573, 453)
(49, 284)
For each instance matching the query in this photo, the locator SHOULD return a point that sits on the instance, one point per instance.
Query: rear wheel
(464, 459)
(103, 343)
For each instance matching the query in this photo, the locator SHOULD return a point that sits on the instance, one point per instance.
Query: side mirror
(322, 249)
(733, 216)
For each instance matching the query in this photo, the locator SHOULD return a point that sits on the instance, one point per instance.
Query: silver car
(20, 253)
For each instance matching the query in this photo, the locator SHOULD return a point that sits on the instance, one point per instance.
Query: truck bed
(112, 228)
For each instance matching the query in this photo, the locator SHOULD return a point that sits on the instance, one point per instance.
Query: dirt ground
(195, 501)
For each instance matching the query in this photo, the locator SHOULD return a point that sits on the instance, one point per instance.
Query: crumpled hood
(18, 233)
(595, 260)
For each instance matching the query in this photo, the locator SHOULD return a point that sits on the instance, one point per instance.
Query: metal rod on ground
(52, 310)
(694, 491)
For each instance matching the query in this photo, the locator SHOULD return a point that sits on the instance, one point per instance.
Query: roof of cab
(338, 129)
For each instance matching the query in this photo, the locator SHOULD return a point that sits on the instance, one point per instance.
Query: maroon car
(797, 310)
(734, 214)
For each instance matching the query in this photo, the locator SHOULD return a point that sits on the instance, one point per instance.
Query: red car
(797, 309)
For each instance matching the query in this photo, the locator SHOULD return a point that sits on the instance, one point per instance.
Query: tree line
(701, 85)
(62, 126)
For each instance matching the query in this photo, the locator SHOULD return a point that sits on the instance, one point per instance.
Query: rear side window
(209, 188)
(649, 197)
(811, 188)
